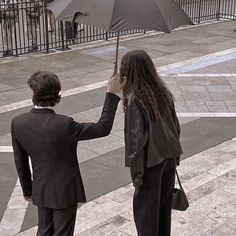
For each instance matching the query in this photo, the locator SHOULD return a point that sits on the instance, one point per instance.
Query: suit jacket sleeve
(136, 136)
(85, 131)
(22, 165)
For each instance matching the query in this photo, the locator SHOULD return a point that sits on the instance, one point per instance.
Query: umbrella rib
(137, 12)
(112, 15)
(68, 7)
(159, 9)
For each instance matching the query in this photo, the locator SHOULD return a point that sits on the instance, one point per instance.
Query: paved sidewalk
(209, 180)
(207, 177)
(202, 49)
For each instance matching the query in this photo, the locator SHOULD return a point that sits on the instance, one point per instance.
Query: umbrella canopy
(161, 15)
(66, 9)
(115, 15)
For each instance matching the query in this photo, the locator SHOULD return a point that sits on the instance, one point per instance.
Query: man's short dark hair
(46, 87)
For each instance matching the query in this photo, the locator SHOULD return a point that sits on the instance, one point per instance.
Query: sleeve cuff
(137, 182)
(111, 101)
(114, 95)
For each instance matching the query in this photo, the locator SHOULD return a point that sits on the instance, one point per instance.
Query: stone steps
(112, 214)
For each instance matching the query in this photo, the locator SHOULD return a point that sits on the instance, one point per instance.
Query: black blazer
(50, 140)
(148, 142)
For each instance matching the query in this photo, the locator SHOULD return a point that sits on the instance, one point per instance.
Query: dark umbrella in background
(116, 15)
(66, 9)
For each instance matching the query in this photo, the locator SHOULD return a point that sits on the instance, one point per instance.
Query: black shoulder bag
(180, 200)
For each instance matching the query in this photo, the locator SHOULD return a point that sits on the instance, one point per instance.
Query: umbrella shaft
(117, 52)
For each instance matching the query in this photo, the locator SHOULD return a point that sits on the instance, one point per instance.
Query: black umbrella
(66, 9)
(116, 15)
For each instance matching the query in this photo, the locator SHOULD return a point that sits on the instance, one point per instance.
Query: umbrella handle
(117, 53)
(115, 69)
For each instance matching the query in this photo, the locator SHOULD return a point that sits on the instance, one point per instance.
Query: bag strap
(180, 185)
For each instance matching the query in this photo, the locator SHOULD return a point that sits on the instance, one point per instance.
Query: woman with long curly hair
(152, 143)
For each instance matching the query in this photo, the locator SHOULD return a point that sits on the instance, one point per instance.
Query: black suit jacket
(50, 140)
(148, 142)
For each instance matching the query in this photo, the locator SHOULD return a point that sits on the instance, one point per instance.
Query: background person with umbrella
(72, 29)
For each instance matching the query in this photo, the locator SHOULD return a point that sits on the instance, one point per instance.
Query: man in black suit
(50, 140)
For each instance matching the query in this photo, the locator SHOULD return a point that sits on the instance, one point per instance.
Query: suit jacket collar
(42, 110)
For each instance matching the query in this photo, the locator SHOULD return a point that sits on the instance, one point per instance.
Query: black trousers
(152, 200)
(56, 222)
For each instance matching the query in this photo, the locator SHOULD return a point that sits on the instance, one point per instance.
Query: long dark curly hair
(144, 82)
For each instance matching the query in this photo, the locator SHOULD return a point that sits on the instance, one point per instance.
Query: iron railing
(202, 10)
(26, 26)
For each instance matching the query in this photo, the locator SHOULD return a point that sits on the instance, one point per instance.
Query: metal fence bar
(26, 25)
